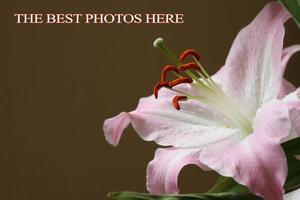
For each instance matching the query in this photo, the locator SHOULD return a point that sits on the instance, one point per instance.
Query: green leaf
(219, 196)
(293, 6)
(227, 184)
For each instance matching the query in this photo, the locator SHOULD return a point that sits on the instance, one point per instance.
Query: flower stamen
(180, 81)
(176, 100)
(189, 66)
(166, 69)
(158, 86)
(187, 53)
(209, 92)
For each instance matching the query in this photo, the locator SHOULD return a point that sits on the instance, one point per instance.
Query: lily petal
(287, 87)
(287, 53)
(114, 127)
(258, 161)
(253, 72)
(163, 170)
(294, 96)
(156, 120)
(294, 111)
(295, 195)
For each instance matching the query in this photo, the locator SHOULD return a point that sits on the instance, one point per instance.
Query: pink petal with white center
(195, 125)
(163, 170)
(258, 161)
(286, 87)
(253, 72)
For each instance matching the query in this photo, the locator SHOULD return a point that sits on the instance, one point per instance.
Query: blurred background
(58, 84)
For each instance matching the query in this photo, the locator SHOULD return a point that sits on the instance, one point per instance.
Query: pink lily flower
(232, 122)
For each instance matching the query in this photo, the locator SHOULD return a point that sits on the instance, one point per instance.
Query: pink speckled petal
(195, 125)
(258, 161)
(253, 73)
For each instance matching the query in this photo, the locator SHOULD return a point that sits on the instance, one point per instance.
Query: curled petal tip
(164, 169)
(114, 127)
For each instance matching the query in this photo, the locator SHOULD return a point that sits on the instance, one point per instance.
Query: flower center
(195, 74)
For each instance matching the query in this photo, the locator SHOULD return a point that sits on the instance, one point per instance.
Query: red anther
(188, 66)
(176, 99)
(166, 69)
(180, 80)
(158, 86)
(187, 53)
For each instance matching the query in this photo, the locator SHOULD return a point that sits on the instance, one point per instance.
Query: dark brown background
(59, 82)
